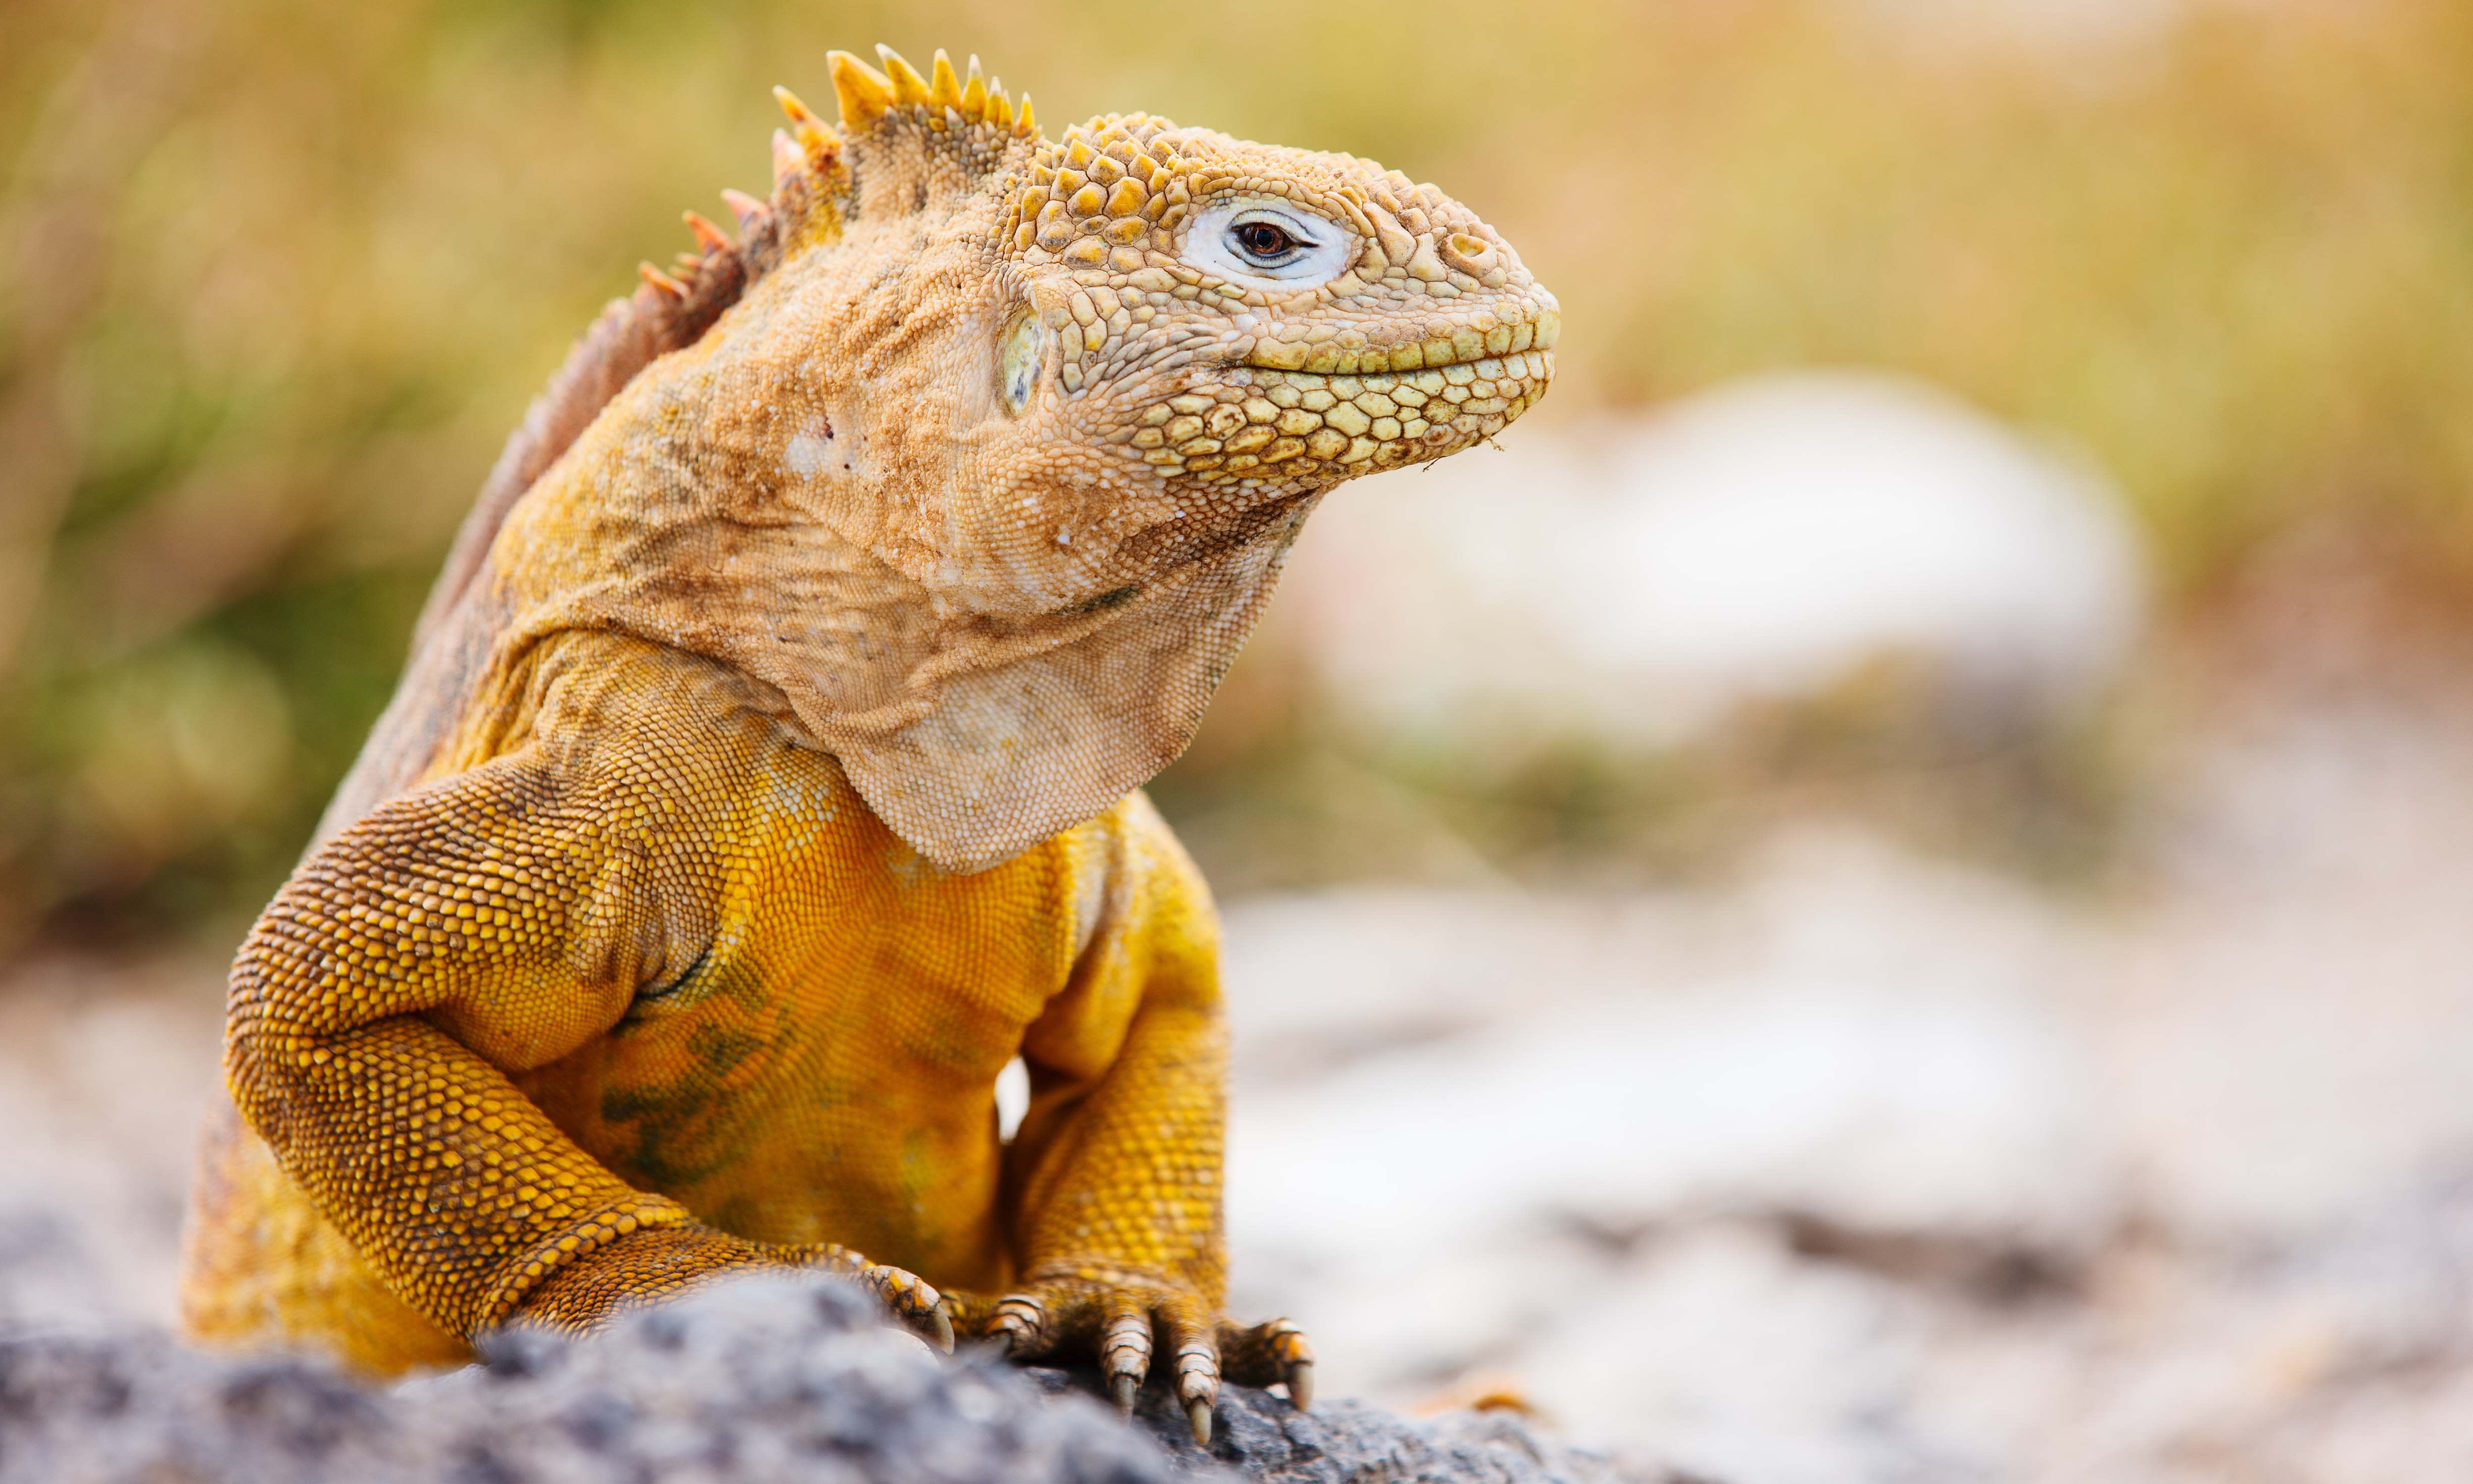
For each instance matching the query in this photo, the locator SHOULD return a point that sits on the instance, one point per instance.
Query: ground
(763, 1380)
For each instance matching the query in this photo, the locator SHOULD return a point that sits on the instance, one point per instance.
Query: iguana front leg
(1115, 1174)
(488, 923)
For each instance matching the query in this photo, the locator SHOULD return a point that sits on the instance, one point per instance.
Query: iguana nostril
(1469, 254)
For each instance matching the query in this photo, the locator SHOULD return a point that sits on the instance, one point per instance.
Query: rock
(46, 1276)
(1261, 1437)
(753, 1382)
(1472, 1123)
(1635, 584)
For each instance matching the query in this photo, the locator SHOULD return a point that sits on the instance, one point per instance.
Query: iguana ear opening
(1024, 360)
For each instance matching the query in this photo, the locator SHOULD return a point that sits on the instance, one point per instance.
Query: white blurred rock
(2291, 1028)
(1864, 1103)
(1706, 1169)
(101, 1090)
(1749, 1362)
(1438, 1095)
(1636, 582)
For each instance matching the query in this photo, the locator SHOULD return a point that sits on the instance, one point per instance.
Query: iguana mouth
(1489, 337)
(1262, 422)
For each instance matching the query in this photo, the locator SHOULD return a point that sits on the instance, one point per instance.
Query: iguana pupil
(1263, 240)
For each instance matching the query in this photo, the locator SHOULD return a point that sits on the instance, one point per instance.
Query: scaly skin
(763, 781)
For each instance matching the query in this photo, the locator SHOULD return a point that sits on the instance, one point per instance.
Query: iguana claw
(1114, 1315)
(908, 1297)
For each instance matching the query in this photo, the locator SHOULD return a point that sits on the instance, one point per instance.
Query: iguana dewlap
(764, 778)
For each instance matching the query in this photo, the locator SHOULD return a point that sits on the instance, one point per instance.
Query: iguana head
(1023, 427)
(1127, 347)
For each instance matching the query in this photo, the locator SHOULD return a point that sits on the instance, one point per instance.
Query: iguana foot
(662, 1262)
(904, 1294)
(1119, 1316)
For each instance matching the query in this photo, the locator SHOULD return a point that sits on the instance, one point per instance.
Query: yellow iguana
(764, 778)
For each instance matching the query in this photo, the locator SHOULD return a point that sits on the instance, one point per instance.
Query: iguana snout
(1250, 317)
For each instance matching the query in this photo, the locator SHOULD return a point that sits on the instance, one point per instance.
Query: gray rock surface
(755, 1382)
(1261, 1437)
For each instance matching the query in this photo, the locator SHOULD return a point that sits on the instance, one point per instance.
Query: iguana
(765, 776)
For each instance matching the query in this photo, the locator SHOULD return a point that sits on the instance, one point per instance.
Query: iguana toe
(1118, 1319)
(1270, 1354)
(907, 1296)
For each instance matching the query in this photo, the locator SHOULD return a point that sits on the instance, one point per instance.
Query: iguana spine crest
(813, 190)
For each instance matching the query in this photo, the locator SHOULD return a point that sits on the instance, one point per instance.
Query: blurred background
(1880, 893)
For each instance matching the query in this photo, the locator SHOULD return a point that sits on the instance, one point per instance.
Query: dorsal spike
(747, 209)
(814, 135)
(975, 93)
(944, 88)
(908, 87)
(1025, 123)
(712, 238)
(1000, 107)
(865, 93)
(661, 283)
(799, 112)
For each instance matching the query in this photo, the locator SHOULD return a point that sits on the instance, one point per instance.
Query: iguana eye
(1266, 242)
(1274, 243)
